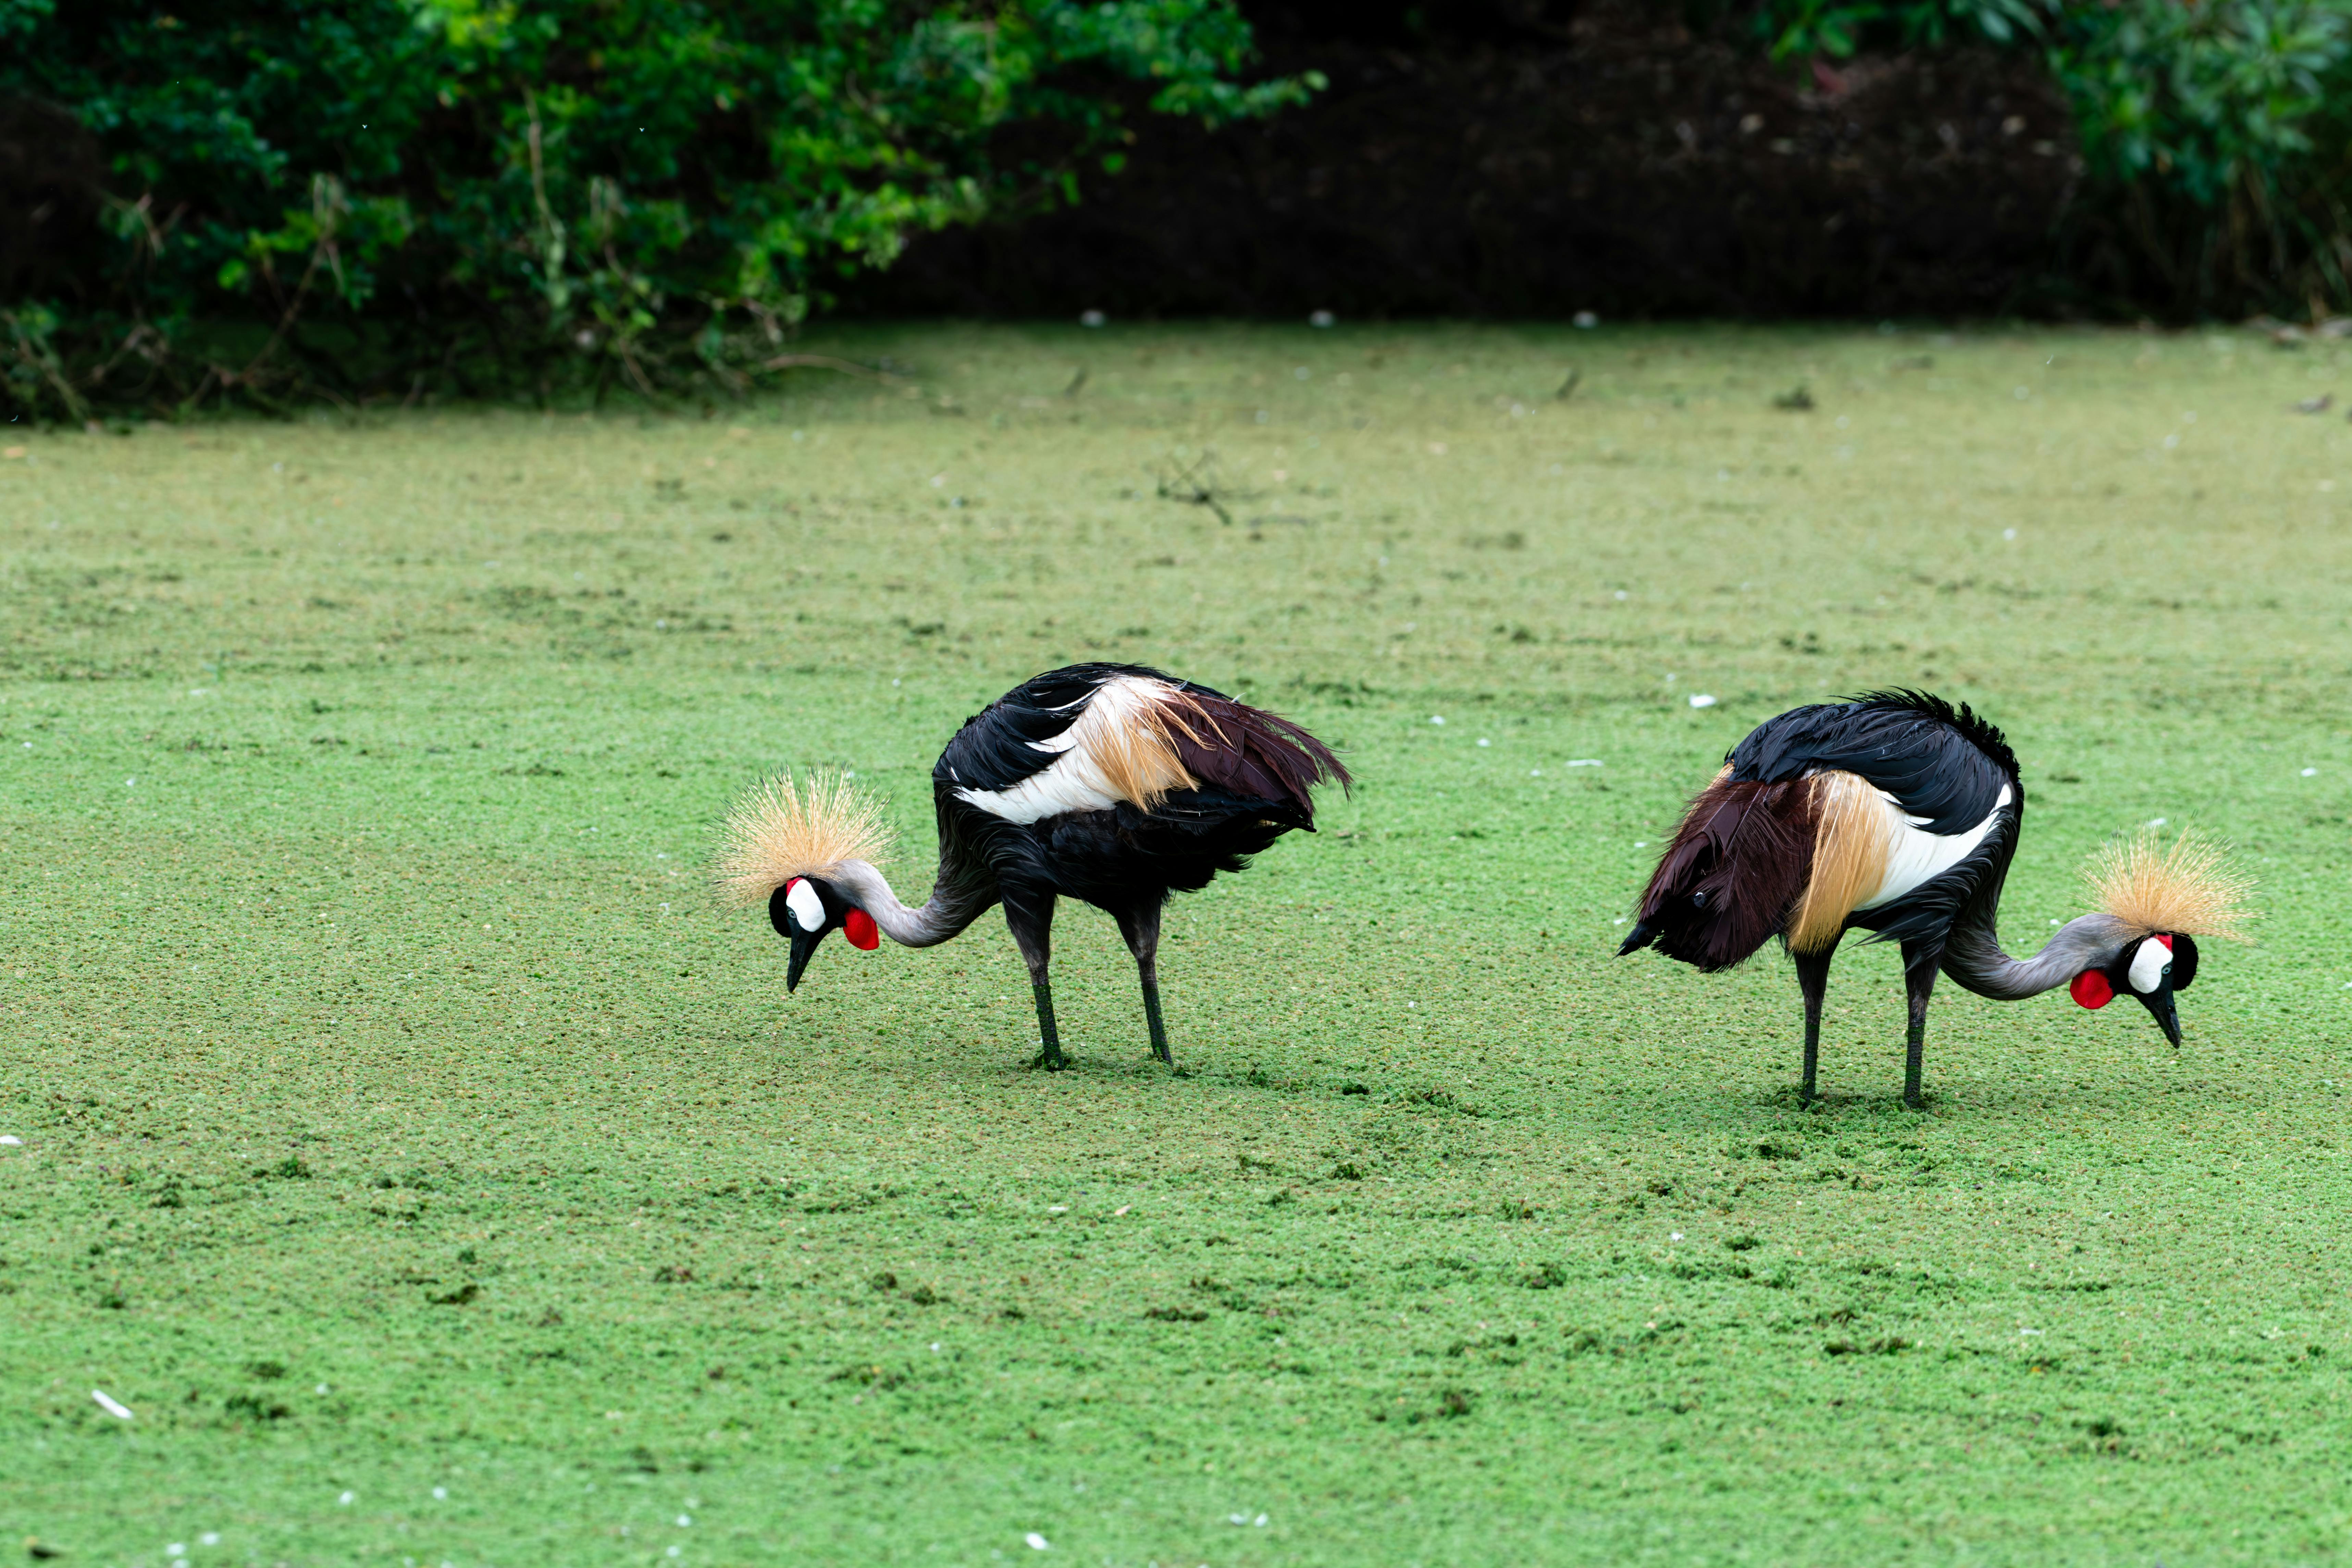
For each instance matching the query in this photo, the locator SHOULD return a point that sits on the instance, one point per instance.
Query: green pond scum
(410, 1140)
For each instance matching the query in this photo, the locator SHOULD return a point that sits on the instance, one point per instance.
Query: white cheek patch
(2147, 965)
(807, 909)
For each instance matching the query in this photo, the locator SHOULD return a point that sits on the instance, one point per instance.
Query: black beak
(1640, 937)
(2167, 1017)
(803, 949)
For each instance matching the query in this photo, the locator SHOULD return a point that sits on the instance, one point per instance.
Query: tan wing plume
(1853, 834)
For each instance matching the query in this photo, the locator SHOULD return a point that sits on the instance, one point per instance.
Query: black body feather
(1941, 762)
(1255, 770)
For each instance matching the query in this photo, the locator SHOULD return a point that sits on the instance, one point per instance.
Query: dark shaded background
(1540, 159)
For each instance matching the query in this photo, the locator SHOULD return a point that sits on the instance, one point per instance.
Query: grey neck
(1973, 958)
(953, 905)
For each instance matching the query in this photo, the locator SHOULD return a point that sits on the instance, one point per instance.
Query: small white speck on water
(1701, 700)
(1437, 718)
(2311, 773)
(1037, 1542)
(1485, 742)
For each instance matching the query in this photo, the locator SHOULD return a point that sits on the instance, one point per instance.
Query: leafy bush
(337, 196)
(2216, 135)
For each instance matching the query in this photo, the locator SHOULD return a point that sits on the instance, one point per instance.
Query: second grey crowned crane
(1897, 814)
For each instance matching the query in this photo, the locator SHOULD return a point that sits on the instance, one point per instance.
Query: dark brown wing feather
(1723, 887)
(1250, 752)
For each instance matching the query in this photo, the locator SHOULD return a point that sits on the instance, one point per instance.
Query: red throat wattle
(2092, 990)
(858, 927)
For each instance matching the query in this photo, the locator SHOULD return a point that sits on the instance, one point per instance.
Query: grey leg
(1813, 980)
(1142, 929)
(1030, 915)
(1919, 964)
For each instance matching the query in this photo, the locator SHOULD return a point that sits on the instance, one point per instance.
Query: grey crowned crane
(1111, 783)
(1897, 815)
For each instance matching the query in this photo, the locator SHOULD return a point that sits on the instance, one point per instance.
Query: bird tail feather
(1723, 886)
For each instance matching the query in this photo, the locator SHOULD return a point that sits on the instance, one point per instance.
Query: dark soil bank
(1615, 160)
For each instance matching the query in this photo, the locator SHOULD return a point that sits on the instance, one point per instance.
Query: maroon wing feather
(1251, 752)
(1748, 847)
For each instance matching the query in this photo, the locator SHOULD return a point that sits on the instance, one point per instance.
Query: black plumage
(1944, 763)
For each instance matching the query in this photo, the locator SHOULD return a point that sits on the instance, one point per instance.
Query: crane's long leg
(1813, 980)
(1920, 960)
(1029, 912)
(1141, 926)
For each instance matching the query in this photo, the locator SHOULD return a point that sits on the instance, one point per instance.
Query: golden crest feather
(781, 829)
(2190, 888)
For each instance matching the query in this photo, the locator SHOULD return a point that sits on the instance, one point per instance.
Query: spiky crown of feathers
(781, 829)
(2187, 888)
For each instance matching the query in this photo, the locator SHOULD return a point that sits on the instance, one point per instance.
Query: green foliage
(2215, 135)
(568, 187)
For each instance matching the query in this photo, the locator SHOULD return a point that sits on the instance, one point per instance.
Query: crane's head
(2150, 968)
(785, 840)
(2157, 901)
(805, 909)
